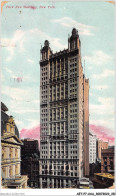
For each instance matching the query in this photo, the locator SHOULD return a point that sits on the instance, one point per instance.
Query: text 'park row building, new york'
(64, 142)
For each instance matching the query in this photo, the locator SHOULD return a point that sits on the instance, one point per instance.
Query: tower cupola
(73, 40)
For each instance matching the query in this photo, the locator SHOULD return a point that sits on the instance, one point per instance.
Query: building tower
(62, 154)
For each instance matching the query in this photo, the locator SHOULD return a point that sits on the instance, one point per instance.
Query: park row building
(64, 118)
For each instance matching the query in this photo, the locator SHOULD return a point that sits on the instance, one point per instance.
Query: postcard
(58, 97)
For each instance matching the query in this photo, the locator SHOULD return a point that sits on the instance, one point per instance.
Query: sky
(25, 27)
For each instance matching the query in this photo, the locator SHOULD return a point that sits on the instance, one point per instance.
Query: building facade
(86, 125)
(92, 148)
(107, 160)
(30, 161)
(30, 146)
(10, 153)
(64, 116)
(101, 145)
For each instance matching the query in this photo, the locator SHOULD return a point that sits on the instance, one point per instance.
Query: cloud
(56, 43)
(98, 58)
(106, 73)
(102, 133)
(19, 37)
(70, 23)
(108, 122)
(2, 77)
(15, 41)
(106, 101)
(32, 122)
(11, 51)
(30, 61)
(22, 46)
(17, 94)
(105, 106)
(36, 101)
(89, 67)
(11, 73)
(100, 87)
(103, 113)
(26, 110)
(20, 94)
(20, 76)
(33, 133)
(18, 122)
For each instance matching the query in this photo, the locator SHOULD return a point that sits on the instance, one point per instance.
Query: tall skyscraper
(64, 116)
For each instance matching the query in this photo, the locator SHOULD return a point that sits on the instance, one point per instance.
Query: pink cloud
(102, 133)
(33, 133)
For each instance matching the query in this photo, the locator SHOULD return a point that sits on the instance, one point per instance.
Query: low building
(30, 161)
(107, 160)
(103, 180)
(94, 168)
(30, 147)
(85, 183)
(92, 148)
(101, 145)
(10, 153)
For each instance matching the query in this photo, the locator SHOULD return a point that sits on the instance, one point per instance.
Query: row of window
(44, 78)
(73, 75)
(73, 80)
(73, 70)
(75, 120)
(73, 116)
(73, 157)
(73, 131)
(44, 115)
(44, 87)
(44, 83)
(45, 119)
(73, 59)
(44, 92)
(73, 65)
(44, 110)
(44, 68)
(74, 146)
(73, 137)
(73, 126)
(44, 74)
(61, 162)
(73, 85)
(58, 167)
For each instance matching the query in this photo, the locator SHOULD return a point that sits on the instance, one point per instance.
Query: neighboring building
(94, 168)
(10, 153)
(101, 145)
(64, 100)
(107, 160)
(92, 148)
(30, 147)
(30, 161)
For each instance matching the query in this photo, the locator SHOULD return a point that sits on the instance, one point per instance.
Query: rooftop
(105, 175)
(3, 107)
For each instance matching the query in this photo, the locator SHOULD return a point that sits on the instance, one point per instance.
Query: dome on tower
(46, 43)
(74, 32)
